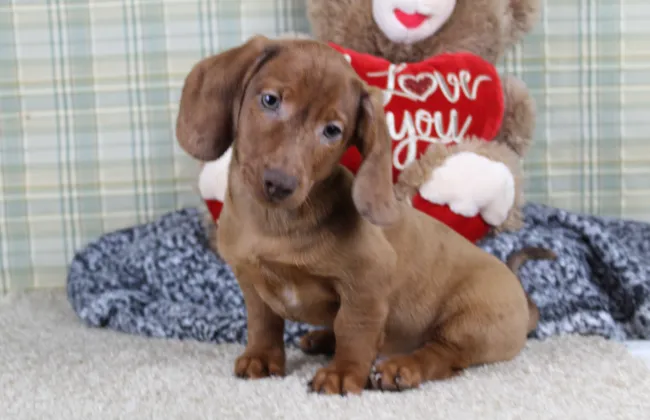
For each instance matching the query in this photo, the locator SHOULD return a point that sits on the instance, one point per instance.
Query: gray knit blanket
(161, 279)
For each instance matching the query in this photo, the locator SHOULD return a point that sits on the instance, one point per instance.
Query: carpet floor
(53, 367)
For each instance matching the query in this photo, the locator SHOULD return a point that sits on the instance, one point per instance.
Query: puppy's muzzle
(278, 185)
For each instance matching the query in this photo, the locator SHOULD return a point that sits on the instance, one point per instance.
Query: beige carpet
(52, 367)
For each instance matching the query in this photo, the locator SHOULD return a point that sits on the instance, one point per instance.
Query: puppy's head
(290, 109)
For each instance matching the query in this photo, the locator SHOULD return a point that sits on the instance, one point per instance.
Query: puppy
(310, 242)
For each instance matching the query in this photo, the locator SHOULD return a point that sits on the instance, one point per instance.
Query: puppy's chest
(297, 295)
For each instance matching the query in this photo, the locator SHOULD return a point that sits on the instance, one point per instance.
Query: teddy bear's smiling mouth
(410, 20)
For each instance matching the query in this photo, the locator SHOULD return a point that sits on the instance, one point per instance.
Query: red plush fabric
(442, 99)
(214, 207)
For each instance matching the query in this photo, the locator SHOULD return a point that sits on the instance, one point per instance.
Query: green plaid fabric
(588, 67)
(89, 93)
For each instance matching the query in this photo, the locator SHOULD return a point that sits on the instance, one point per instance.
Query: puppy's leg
(470, 338)
(431, 362)
(264, 355)
(358, 329)
(319, 342)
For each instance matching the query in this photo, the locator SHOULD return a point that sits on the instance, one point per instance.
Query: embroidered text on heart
(426, 125)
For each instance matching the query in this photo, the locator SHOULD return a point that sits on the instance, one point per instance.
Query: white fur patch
(281, 303)
(290, 298)
(471, 184)
(213, 180)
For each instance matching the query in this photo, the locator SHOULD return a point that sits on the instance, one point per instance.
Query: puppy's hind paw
(396, 374)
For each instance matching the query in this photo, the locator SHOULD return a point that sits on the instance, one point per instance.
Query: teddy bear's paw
(465, 208)
(434, 191)
(470, 184)
(213, 179)
(449, 185)
(495, 214)
(495, 211)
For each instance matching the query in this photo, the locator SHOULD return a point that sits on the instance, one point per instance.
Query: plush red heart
(443, 99)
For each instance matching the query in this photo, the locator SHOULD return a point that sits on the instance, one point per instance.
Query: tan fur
(484, 27)
(380, 277)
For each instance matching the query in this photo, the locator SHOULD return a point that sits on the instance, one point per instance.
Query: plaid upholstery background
(89, 90)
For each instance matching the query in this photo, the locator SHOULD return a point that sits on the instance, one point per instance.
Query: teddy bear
(460, 130)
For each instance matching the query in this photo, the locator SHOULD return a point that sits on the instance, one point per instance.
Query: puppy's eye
(270, 101)
(332, 131)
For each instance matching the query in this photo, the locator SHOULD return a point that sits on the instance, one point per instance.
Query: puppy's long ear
(372, 191)
(210, 98)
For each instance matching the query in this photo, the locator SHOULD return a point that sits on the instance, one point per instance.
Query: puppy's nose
(278, 185)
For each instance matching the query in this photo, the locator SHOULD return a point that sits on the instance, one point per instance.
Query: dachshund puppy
(309, 242)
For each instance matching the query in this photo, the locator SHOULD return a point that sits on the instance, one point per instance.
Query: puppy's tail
(515, 261)
(519, 257)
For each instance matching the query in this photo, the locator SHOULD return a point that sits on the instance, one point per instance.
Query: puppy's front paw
(260, 365)
(318, 342)
(332, 380)
(396, 374)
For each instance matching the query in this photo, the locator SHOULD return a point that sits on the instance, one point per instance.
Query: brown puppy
(308, 242)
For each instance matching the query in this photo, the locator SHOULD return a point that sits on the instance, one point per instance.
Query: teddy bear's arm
(474, 177)
(522, 16)
(519, 117)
